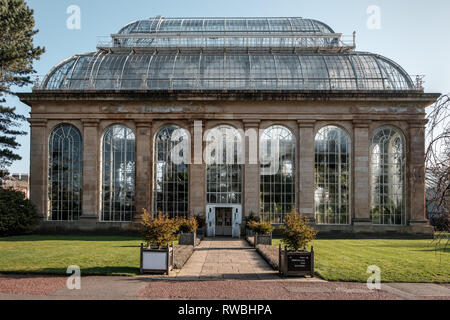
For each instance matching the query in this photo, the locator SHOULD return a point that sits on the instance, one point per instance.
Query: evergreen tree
(17, 53)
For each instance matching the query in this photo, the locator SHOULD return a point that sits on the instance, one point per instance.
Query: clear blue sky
(413, 33)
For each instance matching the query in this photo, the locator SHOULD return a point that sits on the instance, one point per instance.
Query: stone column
(144, 168)
(197, 171)
(361, 174)
(305, 167)
(251, 189)
(38, 165)
(91, 176)
(416, 167)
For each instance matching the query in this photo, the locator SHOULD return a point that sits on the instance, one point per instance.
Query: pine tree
(17, 54)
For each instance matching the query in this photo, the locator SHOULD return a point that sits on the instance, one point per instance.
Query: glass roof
(170, 25)
(227, 54)
(229, 33)
(160, 70)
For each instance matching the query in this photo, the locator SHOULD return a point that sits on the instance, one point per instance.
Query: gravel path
(271, 290)
(31, 285)
(131, 288)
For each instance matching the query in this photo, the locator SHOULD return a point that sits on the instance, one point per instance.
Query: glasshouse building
(224, 118)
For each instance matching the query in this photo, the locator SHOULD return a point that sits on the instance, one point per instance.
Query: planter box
(263, 239)
(188, 239)
(296, 263)
(154, 260)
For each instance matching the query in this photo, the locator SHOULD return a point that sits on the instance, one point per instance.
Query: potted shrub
(158, 232)
(188, 230)
(263, 232)
(201, 223)
(295, 260)
(248, 226)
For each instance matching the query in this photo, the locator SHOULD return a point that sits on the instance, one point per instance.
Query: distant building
(19, 182)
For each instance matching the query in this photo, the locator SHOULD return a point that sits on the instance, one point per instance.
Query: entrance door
(224, 221)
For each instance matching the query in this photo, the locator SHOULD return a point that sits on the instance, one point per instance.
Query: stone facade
(359, 113)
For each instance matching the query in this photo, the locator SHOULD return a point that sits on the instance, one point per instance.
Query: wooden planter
(154, 260)
(296, 263)
(188, 239)
(263, 239)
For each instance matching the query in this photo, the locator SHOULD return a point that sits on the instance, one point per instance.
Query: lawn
(336, 260)
(96, 255)
(399, 260)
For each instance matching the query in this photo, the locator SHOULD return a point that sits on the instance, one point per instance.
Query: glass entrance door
(224, 221)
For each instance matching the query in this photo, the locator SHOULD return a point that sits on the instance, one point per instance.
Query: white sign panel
(154, 260)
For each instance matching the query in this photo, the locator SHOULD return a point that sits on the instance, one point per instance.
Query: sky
(413, 33)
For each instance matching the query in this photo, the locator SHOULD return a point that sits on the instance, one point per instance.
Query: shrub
(201, 221)
(188, 225)
(17, 215)
(296, 232)
(249, 219)
(261, 228)
(158, 231)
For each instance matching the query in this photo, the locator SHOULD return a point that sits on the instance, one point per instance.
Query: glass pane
(65, 173)
(387, 176)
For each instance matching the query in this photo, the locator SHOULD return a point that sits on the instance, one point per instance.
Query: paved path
(226, 259)
(148, 288)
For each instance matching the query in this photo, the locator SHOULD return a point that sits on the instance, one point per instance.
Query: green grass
(336, 260)
(399, 260)
(96, 255)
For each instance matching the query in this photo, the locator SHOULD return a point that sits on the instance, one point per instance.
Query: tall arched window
(224, 165)
(387, 178)
(332, 176)
(118, 174)
(171, 171)
(65, 173)
(278, 170)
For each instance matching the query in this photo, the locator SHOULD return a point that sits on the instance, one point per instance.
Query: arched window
(332, 176)
(118, 174)
(387, 178)
(224, 165)
(171, 171)
(65, 173)
(278, 170)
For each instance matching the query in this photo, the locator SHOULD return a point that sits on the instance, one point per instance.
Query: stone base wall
(84, 227)
(371, 231)
(325, 231)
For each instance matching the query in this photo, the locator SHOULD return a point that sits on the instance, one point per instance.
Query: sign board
(154, 260)
(299, 262)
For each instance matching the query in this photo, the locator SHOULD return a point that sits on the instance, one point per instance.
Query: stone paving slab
(230, 259)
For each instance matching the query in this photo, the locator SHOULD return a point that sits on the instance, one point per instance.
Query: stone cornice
(362, 123)
(306, 123)
(37, 122)
(143, 123)
(90, 122)
(418, 123)
(424, 99)
(251, 123)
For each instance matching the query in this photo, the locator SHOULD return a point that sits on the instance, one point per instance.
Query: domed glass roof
(228, 71)
(220, 25)
(227, 54)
